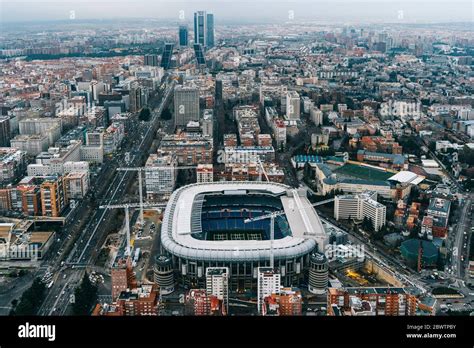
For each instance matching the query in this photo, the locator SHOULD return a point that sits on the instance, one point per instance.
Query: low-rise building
(366, 301)
(360, 206)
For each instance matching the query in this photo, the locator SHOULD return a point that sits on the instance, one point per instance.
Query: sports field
(361, 172)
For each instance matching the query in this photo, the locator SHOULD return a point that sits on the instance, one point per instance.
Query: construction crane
(272, 217)
(127, 207)
(140, 183)
(261, 170)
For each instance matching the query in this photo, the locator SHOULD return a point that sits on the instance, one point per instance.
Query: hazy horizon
(355, 11)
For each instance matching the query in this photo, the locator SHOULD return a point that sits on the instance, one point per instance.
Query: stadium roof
(406, 176)
(304, 223)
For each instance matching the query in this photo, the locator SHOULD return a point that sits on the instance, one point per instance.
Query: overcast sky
(249, 10)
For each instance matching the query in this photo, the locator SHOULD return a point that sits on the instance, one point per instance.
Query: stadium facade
(204, 226)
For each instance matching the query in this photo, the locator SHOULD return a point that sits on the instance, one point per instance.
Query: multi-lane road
(69, 268)
(461, 232)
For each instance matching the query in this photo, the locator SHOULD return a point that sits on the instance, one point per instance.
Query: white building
(113, 137)
(32, 144)
(76, 185)
(52, 162)
(217, 284)
(207, 123)
(269, 282)
(160, 180)
(277, 125)
(93, 154)
(292, 105)
(45, 127)
(316, 115)
(307, 104)
(360, 206)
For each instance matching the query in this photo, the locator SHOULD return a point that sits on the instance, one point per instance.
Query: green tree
(85, 297)
(166, 114)
(145, 115)
(30, 300)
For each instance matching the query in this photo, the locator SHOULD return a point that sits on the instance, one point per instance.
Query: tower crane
(272, 217)
(140, 183)
(127, 207)
(274, 214)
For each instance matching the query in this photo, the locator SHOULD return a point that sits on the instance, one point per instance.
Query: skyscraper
(167, 54)
(210, 31)
(204, 29)
(186, 105)
(183, 35)
(198, 51)
(200, 19)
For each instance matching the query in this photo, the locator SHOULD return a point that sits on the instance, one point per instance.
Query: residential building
(217, 284)
(390, 301)
(205, 173)
(360, 206)
(53, 197)
(292, 105)
(162, 180)
(12, 165)
(269, 283)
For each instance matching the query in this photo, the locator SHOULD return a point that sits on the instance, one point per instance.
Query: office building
(186, 105)
(167, 55)
(32, 144)
(219, 90)
(210, 31)
(288, 302)
(199, 53)
(183, 36)
(200, 28)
